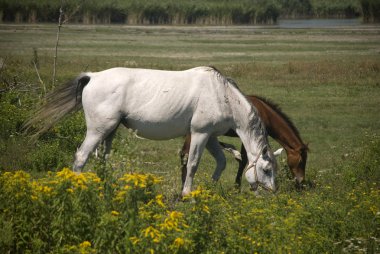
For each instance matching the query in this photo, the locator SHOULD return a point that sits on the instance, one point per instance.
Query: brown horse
(280, 128)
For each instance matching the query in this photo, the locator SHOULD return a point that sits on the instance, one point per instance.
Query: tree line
(183, 12)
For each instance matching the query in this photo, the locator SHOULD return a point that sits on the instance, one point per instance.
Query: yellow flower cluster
(137, 182)
(153, 233)
(82, 248)
(200, 193)
(79, 180)
(115, 213)
(140, 180)
(178, 242)
(20, 183)
(202, 197)
(159, 201)
(174, 221)
(85, 248)
(16, 183)
(41, 188)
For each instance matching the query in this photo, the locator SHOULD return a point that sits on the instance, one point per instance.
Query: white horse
(163, 105)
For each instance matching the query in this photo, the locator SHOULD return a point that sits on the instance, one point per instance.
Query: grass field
(326, 80)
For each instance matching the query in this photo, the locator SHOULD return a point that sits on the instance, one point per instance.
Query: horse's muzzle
(255, 186)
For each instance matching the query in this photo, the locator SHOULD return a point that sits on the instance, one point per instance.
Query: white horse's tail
(65, 99)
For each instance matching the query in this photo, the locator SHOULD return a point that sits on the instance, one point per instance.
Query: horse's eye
(265, 150)
(267, 171)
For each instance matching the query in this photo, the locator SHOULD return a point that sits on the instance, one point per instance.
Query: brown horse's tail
(58, 103)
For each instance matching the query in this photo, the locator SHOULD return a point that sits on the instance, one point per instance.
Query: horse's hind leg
(93, 138)
(96, 133)
(184, 157)
(198, 143)
(216, 151)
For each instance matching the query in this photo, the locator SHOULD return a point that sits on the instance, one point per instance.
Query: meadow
(326, 80)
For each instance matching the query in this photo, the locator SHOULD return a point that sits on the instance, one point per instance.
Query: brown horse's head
(297, 163)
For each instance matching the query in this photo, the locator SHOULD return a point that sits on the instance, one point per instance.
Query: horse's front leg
(242, 164)
(198, 143)
(216, 151)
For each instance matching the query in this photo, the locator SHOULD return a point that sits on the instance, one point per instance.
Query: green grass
(326, 80)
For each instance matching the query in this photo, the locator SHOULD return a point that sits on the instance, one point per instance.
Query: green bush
(12, 114)
(64, 212)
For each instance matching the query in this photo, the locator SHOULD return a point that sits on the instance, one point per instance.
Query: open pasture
(326, 80)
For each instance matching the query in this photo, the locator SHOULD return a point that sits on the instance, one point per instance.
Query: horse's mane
(226, 80)
(255, 123)
(284, 116)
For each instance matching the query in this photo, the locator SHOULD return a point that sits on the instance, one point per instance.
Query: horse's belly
(158, 130)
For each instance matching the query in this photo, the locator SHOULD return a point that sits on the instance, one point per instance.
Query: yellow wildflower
(178, 242)
(135, 240)
(159, 200)
(115, 213)
(85, 248)
(196, 193)
(140, 180)
(120, 196)
(176, 215)
(153, 233)
(85, 244)
(47, 189)
(66, 174)
(145, 214)
(206, 209)
(172, 221)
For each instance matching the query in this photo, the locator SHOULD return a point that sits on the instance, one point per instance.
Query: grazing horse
(163, 105)
(279, 127)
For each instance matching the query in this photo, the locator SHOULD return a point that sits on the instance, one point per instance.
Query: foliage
(371, 10)
(50, 152)
(335, 8)
(70, 213)
(11, 114)
(209, 12)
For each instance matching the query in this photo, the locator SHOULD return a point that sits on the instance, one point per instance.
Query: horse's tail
(58, 103)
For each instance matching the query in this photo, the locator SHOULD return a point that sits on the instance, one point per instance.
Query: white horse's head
(263, 170)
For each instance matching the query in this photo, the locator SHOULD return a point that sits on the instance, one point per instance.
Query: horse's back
(158, 104)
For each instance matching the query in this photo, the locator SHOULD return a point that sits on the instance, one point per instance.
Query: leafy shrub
(64, 212)
(12, 114)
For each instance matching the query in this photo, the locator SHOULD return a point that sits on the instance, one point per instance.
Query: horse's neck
(248, 123)
(278, 126)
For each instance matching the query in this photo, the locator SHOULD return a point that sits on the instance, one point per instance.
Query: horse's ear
(278, 152)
